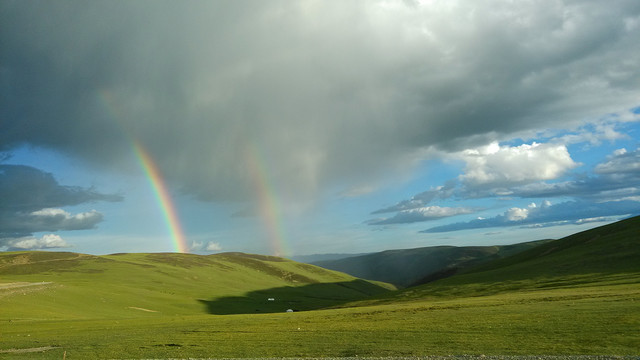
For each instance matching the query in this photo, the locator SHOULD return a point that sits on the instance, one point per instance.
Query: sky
(307, 127)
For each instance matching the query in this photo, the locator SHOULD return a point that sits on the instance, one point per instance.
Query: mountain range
(411, 267)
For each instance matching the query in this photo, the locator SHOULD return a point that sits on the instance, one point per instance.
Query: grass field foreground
(595, 320)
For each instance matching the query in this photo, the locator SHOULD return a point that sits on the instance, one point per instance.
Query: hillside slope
(55, 285)
(411, 267)
(608, 254)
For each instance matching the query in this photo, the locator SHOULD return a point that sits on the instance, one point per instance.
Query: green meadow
(575, 296)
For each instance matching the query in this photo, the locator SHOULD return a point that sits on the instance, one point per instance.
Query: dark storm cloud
(328, 93)
(27, 189)
(31, 201)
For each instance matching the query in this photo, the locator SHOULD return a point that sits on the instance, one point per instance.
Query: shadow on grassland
(296, 298)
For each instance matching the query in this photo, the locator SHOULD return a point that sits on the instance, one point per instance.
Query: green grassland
(579, 295)
(45, 285)
(602, 319)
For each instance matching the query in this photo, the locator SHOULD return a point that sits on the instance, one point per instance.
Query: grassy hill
(607, 254)
(410, 267)
(54, 285)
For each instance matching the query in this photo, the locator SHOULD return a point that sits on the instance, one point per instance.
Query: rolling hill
(608, 254)
(410, 267)
(55, 285)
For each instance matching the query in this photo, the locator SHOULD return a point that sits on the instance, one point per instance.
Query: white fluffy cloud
(209, 246)
(504, 166)
(213, 246)
(517, 214)
(48, 241)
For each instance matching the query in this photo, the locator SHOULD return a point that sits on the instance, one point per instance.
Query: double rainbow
(266, 194)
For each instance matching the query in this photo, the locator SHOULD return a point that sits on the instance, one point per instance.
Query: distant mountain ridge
(410, 267)
(609, 255)
(608, 249)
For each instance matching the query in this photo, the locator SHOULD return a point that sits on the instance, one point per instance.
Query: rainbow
(268, 205)
(163, 197)
(153, 175)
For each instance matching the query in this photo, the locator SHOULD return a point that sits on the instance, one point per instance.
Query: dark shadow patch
(444, 273)
(296, 298)
(169, 345)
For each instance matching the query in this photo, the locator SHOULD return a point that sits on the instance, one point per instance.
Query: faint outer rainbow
(158, 185)
(268, 205)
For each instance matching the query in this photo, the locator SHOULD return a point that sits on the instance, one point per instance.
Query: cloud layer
(546, 214)
(328, 93)
(495, 166)
(48, 241)
(32, 201)
(421, 214)
(529, 172)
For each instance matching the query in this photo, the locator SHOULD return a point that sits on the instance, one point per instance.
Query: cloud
(358, 191)
(607, 129)
(213, 246)
(496, 166)
(48, 220)
(31, 201)
(613, 190)
(547, 214)
(27, 189)
(330, 94)
(58, 219)
(621, 162)
(490, 170)
(209, 246)
(421, 214)
(48, 241)
(617, 178)
(422, 199)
